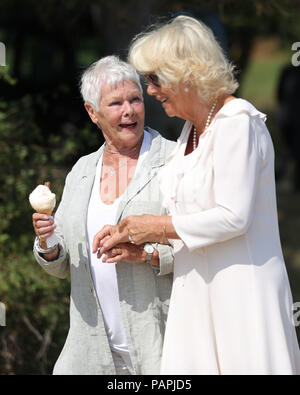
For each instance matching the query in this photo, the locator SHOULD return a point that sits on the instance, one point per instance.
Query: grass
(259, 84)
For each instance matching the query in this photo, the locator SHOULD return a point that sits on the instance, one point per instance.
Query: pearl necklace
(206, 125)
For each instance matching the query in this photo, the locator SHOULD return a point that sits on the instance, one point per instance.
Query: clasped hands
(122, 242)
(128, 237)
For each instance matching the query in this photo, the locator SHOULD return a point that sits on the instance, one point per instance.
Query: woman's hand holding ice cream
(43, 201)
(43, 226)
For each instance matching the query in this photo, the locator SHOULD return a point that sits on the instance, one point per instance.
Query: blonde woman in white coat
(231, 304)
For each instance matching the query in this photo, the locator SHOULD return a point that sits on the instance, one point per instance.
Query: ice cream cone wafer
(48, 212)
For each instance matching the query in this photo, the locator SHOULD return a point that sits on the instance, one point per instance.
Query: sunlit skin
(120, 116)
(184, 103)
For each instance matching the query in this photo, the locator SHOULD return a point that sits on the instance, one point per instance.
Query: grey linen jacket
(144, 290)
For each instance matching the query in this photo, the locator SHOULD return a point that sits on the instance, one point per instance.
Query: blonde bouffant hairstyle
(184, 52)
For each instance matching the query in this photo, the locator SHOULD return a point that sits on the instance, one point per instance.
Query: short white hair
(109, 70)
(184, 51)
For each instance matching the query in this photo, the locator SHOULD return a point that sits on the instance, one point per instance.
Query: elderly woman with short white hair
(231, 304)
(117, 311)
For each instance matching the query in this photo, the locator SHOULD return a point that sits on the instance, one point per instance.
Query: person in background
(231, 304)
(117, 311)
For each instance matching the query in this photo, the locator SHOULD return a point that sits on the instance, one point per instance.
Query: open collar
(148, 169)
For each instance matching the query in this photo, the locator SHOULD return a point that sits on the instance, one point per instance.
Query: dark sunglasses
(152, 79)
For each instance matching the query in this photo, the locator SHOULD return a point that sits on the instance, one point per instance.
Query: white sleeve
(236, 163)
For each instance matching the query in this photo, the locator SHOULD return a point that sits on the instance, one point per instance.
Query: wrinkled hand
(125, 252)
(43, 226)
(141, 228)
(108, 237)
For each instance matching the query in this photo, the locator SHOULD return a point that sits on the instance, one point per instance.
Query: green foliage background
(35, 303)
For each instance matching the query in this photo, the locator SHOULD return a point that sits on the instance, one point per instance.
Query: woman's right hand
(130, 253)
(43, 227)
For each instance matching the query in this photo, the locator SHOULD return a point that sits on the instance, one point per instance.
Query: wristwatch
(149, 249)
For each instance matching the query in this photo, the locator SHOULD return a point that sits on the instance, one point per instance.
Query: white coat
(231, 305)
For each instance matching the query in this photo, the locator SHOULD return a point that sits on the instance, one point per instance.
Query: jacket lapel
(87, 182)
(148, 170)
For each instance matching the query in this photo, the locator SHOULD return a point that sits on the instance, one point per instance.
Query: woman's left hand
(124, 252)
(129, 253)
